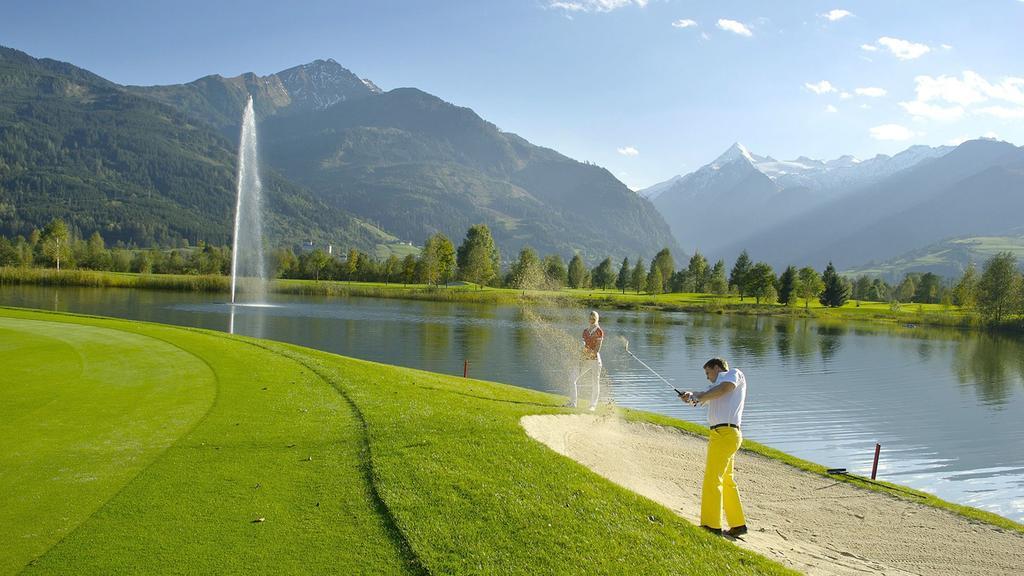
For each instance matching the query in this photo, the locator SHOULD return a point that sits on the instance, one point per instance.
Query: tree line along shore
(991, 298)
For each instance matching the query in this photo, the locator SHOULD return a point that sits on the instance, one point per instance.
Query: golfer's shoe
(569, 405)
(592, 408)
(736, 531)
(717, 531)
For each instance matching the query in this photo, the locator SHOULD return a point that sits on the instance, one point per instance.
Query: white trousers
(592, 370)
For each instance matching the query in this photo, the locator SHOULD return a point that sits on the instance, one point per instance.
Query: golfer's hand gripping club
(688, 397)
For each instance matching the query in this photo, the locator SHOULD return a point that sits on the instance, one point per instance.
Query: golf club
(644, 364)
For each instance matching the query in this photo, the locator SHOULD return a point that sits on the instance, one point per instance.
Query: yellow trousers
(719, 489)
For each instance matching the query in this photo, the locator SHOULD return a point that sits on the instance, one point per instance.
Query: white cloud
(871, 92)
(920, 109)
(950, 98)
(991, 134)
(836, 14)
(903, 49)
(1002, 112)
(957, 141)
(629, 151)
(972, 88)
(949, 47)
(734, 27)
(567, 6)
(969, 90)
(844, 95)
(891, 132)
(831, 109)
(705, 36)
(869, 47)
(865, 106)
(823, 87)
(684, 23)
(594, 5)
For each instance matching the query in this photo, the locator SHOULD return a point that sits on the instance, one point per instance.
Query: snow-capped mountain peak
(735, 152)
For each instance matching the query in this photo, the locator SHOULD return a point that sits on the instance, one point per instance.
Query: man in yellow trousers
(725, 399)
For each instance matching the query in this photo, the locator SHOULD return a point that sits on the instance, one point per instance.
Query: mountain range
(850, 212)
(346, 163)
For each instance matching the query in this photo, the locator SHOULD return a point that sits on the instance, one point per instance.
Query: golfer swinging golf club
(725, 401)
(590, 362)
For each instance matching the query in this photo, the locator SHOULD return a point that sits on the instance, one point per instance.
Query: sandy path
(805, 521)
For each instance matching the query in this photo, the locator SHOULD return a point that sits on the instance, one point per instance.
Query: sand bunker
(805, 521)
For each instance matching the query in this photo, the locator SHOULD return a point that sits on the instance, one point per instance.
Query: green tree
(120, 260)
(8, 253)
(526, 272)
(25, 252)
(666, 266)
(316, 261)
(837, 290)
(718, 283)
(142, 262)
(999, 289)
(555, 273)
(761, 283)
(445, 258)
(284, 263)
(655, 283)
(438, 259)
(929, 289)
(622, 280)
(638, 278)
(861, 287)
(56, 242)
(97, 257)
(905, 291)
(391, 269)
(351, 268)
(740, 271)
(965, 293)
(787, 286)
(577, 272)
(603, 277)
(698, 272)
(408, 269)
(477, 257)
(809, 285)
(879, 291)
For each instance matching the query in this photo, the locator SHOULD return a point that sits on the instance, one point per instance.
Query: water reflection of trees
(473, 331)
(752, 337)
(992, 364)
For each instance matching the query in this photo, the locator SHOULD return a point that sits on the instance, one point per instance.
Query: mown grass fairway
(140, 448)
(354, 467)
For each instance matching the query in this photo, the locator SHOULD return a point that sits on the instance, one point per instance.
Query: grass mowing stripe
(475, 495)
(192, 510)
(72, 432)
(365, 452)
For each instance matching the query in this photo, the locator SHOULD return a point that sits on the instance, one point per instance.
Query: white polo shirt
(728, 408)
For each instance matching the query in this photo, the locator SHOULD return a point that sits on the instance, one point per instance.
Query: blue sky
(646, 88)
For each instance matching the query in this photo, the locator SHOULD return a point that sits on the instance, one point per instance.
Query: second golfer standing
(590, 362)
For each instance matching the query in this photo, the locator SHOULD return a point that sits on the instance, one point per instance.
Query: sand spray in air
(560, 349)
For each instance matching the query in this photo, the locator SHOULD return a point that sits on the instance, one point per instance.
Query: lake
(947, 406)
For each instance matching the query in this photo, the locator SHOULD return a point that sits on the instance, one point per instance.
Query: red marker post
(465, 368)
(874, 467)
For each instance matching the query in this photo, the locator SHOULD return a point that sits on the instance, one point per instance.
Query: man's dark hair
(717, 362)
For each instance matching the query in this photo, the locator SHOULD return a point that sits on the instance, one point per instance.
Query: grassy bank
(908, 314)
(353, 467)
(152, 449)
